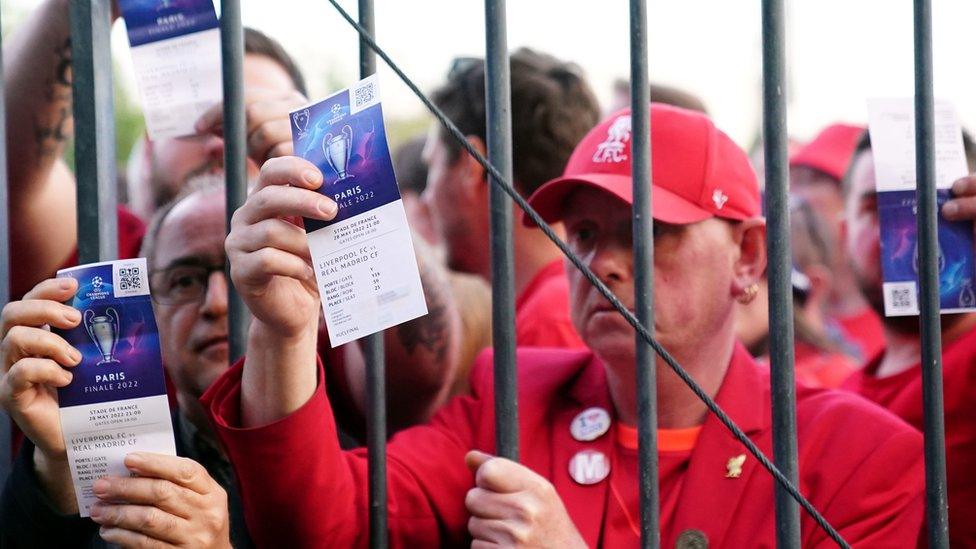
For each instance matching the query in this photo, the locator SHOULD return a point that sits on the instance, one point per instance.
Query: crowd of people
(269, 447)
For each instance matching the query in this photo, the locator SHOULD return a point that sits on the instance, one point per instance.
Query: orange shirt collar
(668, 440)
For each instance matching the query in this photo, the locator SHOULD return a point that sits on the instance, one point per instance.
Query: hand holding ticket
(892, 127)
(116, 400)
(364, 260)
(33, 361)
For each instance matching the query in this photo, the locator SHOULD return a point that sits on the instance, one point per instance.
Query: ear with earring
(748, 294)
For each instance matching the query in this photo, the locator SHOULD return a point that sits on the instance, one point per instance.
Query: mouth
(211, 343)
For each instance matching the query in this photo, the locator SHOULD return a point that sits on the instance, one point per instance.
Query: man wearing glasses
(185, 252)
(184, 247)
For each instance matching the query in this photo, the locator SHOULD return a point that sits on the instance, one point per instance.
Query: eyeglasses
(181, 284)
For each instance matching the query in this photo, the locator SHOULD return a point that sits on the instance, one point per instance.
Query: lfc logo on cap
(590, 424)
(618, 134)
(589, 467)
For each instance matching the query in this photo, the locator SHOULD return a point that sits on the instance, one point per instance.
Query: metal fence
(92, 96)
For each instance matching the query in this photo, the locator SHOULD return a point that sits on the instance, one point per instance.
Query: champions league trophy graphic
(301, 123)
(104, 331)
(337, 149)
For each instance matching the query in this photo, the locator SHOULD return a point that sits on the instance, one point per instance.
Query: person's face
(693, 267)
(820, 191)
(862, 235)
(193, 334)
(173, 162)
(455, 213)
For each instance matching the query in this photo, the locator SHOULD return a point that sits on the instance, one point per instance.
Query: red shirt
(623, 510)
(817, 368)
(542, 311)
(902, 394)
(131, 231)
(859, 465)
(865, 331)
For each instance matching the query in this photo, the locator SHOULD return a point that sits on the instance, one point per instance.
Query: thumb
(475, 459)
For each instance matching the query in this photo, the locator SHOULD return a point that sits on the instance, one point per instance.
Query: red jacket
(860, 466)
(902, 395)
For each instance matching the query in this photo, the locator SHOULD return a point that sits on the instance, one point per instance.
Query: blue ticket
(116, 402)
(893, 147)
(154, 20)
(363, 259)
(175, 47)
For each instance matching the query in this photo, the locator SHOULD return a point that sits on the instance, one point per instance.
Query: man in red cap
(816, 172)
(577, 484)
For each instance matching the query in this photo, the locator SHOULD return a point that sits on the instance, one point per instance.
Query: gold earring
(748, 294)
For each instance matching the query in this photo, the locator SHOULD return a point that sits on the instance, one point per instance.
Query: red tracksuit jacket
(859, 465)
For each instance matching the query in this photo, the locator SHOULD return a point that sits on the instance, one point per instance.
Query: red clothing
(902, 395)
(623, 510)
(859, 465)
(542, 311)
(865, 331)
(816, 368)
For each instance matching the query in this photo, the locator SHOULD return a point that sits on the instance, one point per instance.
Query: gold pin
(734, 466)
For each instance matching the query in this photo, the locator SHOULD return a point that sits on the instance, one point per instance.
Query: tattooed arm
(37, 70)
(421, 355)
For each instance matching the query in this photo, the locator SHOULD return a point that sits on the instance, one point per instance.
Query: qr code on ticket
(901, 298)
(129, 278)
(364, 95)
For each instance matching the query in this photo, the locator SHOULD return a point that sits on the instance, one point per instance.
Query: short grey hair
(202, 183)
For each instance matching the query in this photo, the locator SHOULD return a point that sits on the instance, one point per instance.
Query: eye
(582, 233)
(185, 279)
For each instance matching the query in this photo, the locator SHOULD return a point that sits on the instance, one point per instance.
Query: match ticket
(364, 259)
(116, 402)
(175, 47)
(892, 127)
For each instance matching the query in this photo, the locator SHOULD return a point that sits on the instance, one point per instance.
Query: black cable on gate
(628, 316)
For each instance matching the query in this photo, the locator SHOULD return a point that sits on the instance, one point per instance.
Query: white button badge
(589, 467)
(590, 424)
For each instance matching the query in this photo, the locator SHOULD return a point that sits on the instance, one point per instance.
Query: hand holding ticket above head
(962, 207)
(512, 506)
(268, 253)
(170, 501)
(266, 116)
(32, 361)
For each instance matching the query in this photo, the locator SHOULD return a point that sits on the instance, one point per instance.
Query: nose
(612, 262)
(215, 300)
(214, 148)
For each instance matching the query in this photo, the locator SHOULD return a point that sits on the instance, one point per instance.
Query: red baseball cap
(697, 171)
(830, 151)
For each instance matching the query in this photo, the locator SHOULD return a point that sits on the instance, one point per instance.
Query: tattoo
(49, 135)
(429, 332)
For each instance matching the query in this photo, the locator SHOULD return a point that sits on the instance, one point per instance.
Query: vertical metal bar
(5, 431)
(498, 112)
(780, 267)
(928, 281)
(375, 355)
(235, 152)
(91, 88)
(640, 94)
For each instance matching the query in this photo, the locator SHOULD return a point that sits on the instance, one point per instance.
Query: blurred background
(839, 53)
